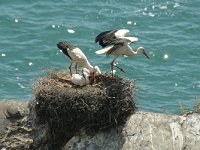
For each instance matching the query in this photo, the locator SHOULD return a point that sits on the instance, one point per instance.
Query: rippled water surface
(169, 31)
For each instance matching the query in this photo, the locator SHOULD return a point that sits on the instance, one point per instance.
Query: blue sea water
(168, 30)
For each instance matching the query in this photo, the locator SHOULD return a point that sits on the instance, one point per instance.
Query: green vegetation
(194, 109)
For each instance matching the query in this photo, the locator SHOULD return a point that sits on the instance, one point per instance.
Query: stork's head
(61, 45)
(141, 50)
(65, 45)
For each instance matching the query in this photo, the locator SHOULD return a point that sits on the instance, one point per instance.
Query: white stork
(120, 47)
(76, 56)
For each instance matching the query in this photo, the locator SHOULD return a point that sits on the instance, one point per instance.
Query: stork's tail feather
(103, 51)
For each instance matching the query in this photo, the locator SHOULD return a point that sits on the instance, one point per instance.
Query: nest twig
(68, 108)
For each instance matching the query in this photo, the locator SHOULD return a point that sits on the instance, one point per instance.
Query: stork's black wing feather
(102, 35)
(120, 41)
(104, 38)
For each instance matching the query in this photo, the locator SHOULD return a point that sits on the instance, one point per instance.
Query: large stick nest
(68, 108)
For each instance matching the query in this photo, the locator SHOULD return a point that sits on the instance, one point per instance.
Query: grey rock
(18, 127)
(191, 132)
(15, 125)
(10, 110)
(142, 131)
(145, 131)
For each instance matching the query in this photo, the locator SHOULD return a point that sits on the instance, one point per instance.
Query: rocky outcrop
(144, 131)
(18, 127)
(15, 125)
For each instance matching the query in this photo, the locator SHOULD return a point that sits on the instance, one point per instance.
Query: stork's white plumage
(120, 47)
(97, 71)
(96, 68)
(86, 71)
(83, 79)
(105, 38)
(104, 50)
(80, 79)
(76, 56)
(121, 32)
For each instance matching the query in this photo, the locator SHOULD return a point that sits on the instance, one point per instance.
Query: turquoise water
(168, 30)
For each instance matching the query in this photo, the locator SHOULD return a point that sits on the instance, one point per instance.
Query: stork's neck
(89, 66)
(130, 51)
(140, 50)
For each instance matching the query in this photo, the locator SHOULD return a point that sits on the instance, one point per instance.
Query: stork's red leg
(76, 67)
(70, 69)
(112, 64)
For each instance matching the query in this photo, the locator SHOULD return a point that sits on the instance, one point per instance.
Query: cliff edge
(102, 116)
(143, 130)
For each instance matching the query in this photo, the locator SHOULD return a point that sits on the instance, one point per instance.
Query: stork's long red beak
(145, 54)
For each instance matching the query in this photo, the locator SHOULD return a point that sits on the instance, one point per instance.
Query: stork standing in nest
(76, 56)
(119, 46)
